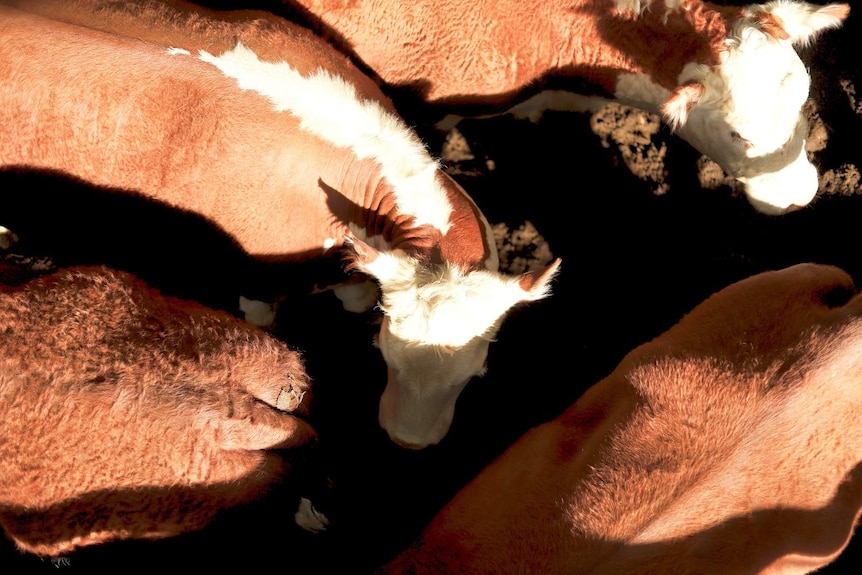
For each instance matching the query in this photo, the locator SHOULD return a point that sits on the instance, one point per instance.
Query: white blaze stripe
(329, 107)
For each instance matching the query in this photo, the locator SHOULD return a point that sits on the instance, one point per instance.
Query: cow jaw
(417, 410)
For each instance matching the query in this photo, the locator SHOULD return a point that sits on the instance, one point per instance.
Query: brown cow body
(729, 444)
(127, 414)
(273, 136)
(178, 130)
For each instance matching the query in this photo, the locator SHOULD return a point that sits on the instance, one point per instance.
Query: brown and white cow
(727, 79)
(273, 135)
(127, 414)
(729, 444)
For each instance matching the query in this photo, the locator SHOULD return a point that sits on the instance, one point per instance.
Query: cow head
(746, 112)
(438, 322)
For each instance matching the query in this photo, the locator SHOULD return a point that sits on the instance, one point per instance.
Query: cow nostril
(737, 137)
(837, 296)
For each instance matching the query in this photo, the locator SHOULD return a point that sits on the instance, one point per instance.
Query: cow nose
(746, 143)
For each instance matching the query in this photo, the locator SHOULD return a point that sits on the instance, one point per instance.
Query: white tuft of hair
(447, 306)
(803, 20)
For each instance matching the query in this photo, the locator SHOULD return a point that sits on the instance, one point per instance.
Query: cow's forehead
(449, 323)
(757, 54)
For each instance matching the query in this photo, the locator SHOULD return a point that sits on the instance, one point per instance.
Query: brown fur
(730, 444)
(131, 415)
(494, 53)
(448, 58)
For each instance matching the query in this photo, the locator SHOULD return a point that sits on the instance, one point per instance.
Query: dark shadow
(179, 252)
(247, 535)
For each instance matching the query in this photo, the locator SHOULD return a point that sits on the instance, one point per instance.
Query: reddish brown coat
(127, 414)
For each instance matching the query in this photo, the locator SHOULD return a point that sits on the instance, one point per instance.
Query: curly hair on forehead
(712, 22)
(426, 287)
(430, 305)
(769, 24)
(699, 32)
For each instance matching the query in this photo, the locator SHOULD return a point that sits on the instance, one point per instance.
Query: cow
(726, 79)
(728, 444)
(274, 136)
(128, 414)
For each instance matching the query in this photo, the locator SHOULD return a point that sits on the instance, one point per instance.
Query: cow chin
(791, 188)
(415, 421)
(776, 180)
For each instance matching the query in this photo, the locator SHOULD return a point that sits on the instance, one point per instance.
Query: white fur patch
(638, 6)
(804, 20)
(358, 297)
(309, 518)
(7, 238)
(444, 307)
(329, 107)
(378, 242)
(534, 107)
(259, 313)
(763, 85)
(640, 91)
(178, 52)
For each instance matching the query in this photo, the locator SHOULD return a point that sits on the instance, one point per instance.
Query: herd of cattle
(189, 167)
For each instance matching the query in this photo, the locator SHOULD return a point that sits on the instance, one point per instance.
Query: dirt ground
(646, 229)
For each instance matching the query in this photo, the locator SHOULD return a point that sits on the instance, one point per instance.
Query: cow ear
(676, 108)
(365, 258)
(360, 251)
(803, 21)
(537, 284)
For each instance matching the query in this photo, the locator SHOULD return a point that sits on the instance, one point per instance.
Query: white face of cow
(435, 335)
(746, 113)
(424, 382)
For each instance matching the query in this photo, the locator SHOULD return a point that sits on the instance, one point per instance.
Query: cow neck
(467, 243)
(602, 44)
